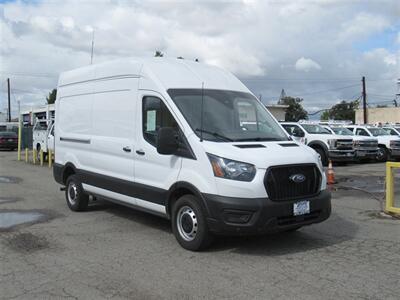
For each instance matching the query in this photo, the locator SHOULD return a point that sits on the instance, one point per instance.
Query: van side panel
(73, 126)
(113, 128)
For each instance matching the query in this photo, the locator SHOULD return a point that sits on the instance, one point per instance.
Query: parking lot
(114, 252)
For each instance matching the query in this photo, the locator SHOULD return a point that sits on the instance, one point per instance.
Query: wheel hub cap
(187, 223)
(72, 193)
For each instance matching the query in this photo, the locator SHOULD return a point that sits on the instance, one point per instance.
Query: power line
(329, 90)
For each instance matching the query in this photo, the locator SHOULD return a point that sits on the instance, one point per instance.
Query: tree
(344, 111)
(51, 98)
(295, 111)
(325, 116)
(158, 54)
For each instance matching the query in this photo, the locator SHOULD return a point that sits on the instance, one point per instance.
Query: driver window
(360, 131)
(155, 115)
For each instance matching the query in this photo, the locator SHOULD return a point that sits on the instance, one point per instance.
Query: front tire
(76, 198)
(382, 155)
(324, 157)
(189, 224)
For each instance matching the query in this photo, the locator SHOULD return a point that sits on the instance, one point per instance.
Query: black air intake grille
(281, 187)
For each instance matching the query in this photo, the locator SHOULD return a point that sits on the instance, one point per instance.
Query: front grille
(395, 144)
(344, 144)
(281, 187)
(367, 145)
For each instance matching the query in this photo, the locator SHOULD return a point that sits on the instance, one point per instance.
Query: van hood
(263, 154)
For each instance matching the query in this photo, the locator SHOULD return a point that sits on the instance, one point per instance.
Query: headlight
(232, 169)
(332, 144)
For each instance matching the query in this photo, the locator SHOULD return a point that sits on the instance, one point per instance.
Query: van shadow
(305, 239)
(308, 238)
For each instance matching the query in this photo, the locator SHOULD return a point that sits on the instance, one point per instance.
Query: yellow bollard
(34, 155)
(41, 157)
(26, 154)
(19, 140)
(50, 157)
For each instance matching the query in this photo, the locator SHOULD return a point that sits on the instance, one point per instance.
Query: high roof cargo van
(185, 141)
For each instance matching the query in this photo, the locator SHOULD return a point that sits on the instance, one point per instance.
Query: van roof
(166, 73)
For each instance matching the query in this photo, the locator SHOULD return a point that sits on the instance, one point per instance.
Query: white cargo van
(166, 136)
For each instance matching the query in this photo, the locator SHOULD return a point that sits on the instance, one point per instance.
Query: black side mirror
(297, 132)
(167, 141)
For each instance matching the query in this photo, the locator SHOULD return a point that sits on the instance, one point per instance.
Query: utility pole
(91, 54)
(9, 100)
(364, 96)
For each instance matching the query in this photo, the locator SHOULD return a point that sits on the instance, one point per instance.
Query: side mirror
(297, 132)
(167, 141)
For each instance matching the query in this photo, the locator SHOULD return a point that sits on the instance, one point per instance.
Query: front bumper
(366, 153)
(341, 155)
(9, 145)
(262, 215)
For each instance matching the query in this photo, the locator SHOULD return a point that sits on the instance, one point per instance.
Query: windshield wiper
(215, 134)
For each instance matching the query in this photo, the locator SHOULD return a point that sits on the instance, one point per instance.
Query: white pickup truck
(329, 146)
(43, 137)
(364, 147)
(389, 145)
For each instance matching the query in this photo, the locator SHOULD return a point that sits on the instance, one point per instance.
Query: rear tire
(38, 153)
(189, 224)
(76, 198)
(323, 155)
(383, 154)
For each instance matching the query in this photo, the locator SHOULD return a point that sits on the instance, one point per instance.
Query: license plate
(10, 140)
(349, 154)
(301, 208)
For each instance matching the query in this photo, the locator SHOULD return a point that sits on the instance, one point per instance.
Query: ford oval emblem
(297, 178)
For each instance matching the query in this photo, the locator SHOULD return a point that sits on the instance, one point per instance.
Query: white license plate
(301, 208)
(10, 140)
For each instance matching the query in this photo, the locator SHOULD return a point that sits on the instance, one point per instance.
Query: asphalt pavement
(112, 252)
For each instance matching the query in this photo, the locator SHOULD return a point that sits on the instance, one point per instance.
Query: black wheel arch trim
(193, 190)
(319, 144)
(59, 171)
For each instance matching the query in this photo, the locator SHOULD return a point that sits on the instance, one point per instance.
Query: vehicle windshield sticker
(151, 120)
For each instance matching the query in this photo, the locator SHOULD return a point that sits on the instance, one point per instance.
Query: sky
(315, 50)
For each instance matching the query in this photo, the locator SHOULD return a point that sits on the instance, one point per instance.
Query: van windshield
(227, 115)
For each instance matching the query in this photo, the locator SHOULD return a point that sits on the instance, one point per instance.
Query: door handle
(140, 152)
(127, 149)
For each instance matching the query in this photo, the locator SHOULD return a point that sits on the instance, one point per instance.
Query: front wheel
(189, 224)
(323, 155)
(382, 155)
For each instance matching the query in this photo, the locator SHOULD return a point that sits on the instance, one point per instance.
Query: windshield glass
(342, 131)
(378, 131)
(315, 129)
(227, 115)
